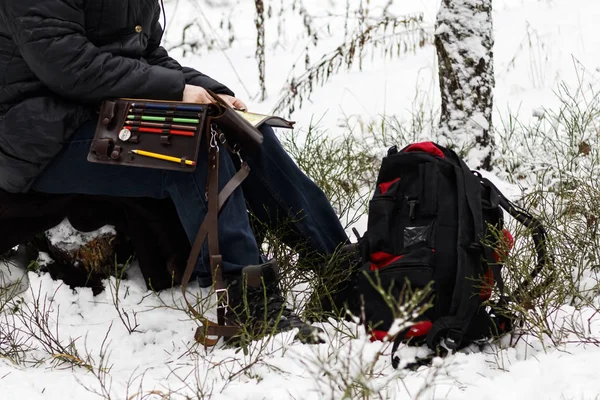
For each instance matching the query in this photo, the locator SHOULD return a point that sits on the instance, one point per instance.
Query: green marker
(164, 119)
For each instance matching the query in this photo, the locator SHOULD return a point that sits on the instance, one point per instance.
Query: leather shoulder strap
(209, 229)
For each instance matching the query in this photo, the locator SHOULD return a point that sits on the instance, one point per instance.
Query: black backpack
(435, 225)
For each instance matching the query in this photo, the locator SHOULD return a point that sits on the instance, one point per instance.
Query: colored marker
(163, 119)
(163, 106)
(163, 126)
(162, 157)
(164, 113)
(163, 131)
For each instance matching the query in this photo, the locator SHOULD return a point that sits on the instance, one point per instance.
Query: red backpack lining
(419, 329)
(427, 147)
(382, 259)
(385, 186)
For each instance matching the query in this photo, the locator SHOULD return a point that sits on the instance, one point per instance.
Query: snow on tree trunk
(81, 258)
(464, 42)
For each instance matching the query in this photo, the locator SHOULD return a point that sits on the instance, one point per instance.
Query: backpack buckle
(453, 339)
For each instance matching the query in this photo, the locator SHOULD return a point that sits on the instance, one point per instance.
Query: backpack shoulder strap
(538, 234)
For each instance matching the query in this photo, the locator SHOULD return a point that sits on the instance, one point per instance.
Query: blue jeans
(275, 191)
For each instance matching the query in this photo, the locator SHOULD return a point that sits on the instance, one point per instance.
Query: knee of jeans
(268, 133)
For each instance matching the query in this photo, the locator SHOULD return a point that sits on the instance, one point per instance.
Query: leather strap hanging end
(203, 332)
(211, 329)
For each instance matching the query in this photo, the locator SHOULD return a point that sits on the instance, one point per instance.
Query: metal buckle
(220, 297)
(237, 151)
(213, 137)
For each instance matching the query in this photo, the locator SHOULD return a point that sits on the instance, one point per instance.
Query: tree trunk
(464, 41)
(81, 259)
(259, 22)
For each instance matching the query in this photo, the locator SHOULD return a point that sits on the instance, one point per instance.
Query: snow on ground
(539, 44)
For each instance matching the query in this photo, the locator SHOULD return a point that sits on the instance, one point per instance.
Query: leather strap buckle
(222, 298)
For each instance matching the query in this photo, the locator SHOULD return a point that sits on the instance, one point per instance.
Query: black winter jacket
(60, 58)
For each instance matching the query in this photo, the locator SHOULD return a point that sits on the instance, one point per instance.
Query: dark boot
(256, 302)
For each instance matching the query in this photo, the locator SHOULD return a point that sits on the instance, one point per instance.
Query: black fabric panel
(445, 241)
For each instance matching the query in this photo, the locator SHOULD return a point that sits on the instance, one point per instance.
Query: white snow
(539, 44)
(43, 259)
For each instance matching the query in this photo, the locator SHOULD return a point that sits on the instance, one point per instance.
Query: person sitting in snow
(60, 59)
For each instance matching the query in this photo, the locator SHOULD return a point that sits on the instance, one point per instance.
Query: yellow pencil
(162, 157)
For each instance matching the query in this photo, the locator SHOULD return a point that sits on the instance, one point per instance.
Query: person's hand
(233, 102)
(196, 94)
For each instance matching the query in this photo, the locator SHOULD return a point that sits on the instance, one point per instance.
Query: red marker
(163, 131)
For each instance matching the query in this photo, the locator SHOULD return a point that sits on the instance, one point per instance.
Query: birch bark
(464, 44)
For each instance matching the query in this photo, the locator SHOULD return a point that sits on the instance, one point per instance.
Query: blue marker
(181, 107)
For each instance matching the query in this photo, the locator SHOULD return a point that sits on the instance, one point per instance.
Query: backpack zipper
(412, 205)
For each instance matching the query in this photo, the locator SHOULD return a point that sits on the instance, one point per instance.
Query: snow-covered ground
(539, 45)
